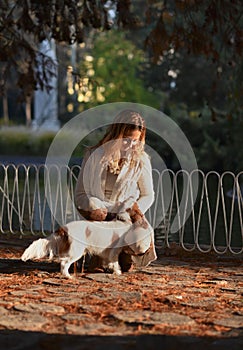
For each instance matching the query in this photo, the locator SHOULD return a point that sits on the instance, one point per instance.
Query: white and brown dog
(105, 239)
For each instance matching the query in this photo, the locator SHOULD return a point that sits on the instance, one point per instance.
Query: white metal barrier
(215, 221)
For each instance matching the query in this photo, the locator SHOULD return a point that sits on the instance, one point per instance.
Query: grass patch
(21, 141)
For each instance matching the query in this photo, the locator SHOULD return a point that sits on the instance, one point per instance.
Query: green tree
(113, 66)
(211, 29)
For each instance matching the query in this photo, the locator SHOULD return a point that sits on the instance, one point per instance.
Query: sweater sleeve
(80, 197)
(83, 199)
(145, 185)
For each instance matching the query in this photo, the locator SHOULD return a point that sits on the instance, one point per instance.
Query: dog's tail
(37, 250)
(56, 244)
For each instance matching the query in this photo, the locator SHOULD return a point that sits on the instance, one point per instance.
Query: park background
(183, 58)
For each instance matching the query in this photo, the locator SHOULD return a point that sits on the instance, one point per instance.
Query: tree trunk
(5, 110)
(28, 111)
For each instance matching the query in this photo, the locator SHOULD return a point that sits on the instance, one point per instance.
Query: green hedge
(217, 145)
(18, 141)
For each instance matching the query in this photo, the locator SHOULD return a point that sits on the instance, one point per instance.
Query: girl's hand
(98, 214)
(124, 217)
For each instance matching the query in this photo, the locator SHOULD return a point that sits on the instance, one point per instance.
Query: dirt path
(182, 300)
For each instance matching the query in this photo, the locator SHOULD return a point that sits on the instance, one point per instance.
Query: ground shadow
(21, 340)
(9, 266)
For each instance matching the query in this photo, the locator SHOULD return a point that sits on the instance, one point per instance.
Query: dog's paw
(115, 268)
(67, 275)
(117, 272)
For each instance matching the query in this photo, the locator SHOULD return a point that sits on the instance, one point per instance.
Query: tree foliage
(210, 28)
(206, 38)
(115, 70)
(25, 23)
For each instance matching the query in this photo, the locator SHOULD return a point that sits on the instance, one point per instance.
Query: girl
(115, 174)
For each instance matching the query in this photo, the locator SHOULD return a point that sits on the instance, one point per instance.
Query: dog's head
(137, 240)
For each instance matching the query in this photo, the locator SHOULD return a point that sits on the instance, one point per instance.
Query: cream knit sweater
(132, 184)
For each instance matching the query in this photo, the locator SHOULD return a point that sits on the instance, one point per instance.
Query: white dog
(103, 238)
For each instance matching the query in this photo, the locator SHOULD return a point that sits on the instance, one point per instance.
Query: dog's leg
(82, 269)
(112, 259)
(75, 268)
(65, 265)
(75, 254)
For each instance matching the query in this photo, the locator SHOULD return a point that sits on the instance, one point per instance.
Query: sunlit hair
(124, 123)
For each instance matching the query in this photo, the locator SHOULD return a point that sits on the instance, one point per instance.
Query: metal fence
(209, 219)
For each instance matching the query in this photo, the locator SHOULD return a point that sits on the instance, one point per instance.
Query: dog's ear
(137, 216)
(142, 222)
(135, 213)
(135, 207)
(133, 210)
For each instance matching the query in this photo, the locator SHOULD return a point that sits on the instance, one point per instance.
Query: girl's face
(130, 140)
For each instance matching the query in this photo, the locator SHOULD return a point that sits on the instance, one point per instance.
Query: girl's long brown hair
(125, 122)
